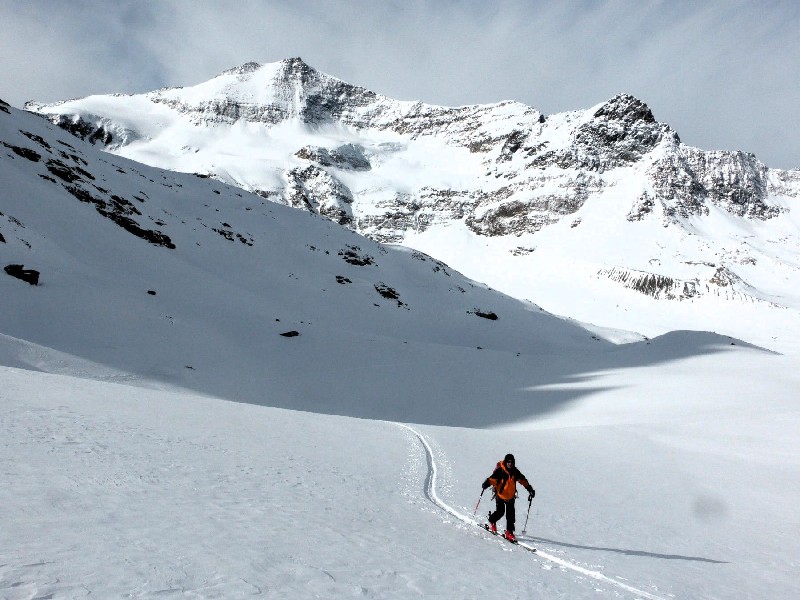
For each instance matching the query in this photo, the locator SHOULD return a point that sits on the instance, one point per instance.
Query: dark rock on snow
(20, 272)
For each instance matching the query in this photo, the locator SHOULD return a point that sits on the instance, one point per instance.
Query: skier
(504, 480)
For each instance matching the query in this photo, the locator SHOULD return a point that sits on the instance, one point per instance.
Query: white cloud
(723, 74)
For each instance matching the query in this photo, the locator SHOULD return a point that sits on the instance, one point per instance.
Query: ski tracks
(431, 494)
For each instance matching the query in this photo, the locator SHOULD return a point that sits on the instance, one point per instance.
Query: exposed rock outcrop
(525, 171)
(688, 181)
(30, 276)
(316, 190)
(348, 156)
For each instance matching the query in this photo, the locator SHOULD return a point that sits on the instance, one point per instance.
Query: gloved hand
(531, 494)
(485, 485)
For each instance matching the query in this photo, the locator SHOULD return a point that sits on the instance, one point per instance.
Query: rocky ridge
(502, 169)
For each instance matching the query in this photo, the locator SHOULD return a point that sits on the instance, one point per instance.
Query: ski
(486, 527)
(515, 542)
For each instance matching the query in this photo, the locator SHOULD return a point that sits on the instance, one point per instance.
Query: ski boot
(509, 535)
(492, 527)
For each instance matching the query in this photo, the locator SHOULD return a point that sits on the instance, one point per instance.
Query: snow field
(128, 491)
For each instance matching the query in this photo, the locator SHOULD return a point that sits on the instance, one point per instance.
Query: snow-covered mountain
(136, 301)
(189, 268)
(649, 234)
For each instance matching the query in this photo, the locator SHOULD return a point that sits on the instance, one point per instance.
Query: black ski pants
(504, 507)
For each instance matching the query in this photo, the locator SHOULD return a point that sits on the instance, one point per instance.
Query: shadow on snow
(541, 540)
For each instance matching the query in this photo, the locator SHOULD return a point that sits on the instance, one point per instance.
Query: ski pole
(528, 515)
(475, 512)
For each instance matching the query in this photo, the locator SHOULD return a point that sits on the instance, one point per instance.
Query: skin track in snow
(432, 496)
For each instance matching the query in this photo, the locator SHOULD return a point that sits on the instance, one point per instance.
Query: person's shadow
(623, 551)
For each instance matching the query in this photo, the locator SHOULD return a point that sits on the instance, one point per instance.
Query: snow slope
(119, 491)
(719, 272)
(403, 329)
(664, 467)
(242, 272)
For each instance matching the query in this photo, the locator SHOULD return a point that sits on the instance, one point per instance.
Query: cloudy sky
(724, 73)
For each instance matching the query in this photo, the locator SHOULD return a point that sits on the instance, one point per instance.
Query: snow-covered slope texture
(664, 468)
(642, 492)
(122, 271)
(605, 201)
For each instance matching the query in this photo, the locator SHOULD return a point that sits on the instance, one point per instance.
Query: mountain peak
(296, 64)
(286, 69)
(247, 67)
(297, 71)
(627, 108)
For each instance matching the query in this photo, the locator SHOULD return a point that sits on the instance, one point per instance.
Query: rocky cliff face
(536, 170)
(293, 90)
(389, 168)
(314, 189)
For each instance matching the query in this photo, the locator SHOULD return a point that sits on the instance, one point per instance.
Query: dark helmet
(509, 458)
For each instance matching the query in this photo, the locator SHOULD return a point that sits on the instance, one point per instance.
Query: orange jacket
(504, 481)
